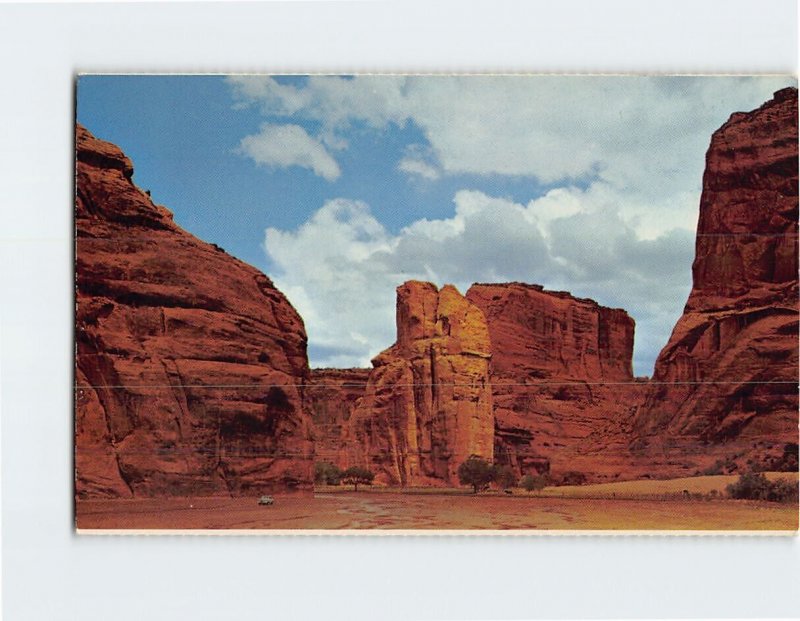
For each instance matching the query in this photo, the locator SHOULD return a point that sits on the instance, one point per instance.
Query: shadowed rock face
(332, 396)
(428, 403)
(727, 378)
(189, 365)
(562, 380)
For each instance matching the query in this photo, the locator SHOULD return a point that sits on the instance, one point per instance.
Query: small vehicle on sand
(266, 500)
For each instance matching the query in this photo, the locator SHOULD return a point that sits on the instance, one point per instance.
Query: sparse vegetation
(476, 472)
(356, 475)
(534, 483)
(788, 461)
(756, 486)
(721, 466)
(326, 473)
(504, 476)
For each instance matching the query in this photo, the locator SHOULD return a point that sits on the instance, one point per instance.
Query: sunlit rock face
(428, 402)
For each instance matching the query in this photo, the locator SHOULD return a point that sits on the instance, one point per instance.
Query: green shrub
(356, 475)
(326, 473)
(751, 485)
(504, 476)
(756, 486)
(783, 490)
(533, 483)
(476, 472)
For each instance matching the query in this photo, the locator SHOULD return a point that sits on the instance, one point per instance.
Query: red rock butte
(427, 406)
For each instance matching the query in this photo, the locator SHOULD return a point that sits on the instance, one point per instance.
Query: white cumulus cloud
(281, 146)
(645, 131)
(341, 267)
(419, 168)
(622, 157)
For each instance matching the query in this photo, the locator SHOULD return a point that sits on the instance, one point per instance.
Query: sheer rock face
(332, 396)
(562, 380)
(189, 363)
(428, 402)
(727, 378)
(553, 335)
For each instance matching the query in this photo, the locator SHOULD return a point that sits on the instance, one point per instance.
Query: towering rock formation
(332, 396)
(428, 402)
(562, 380)
(189, 363)
(726, 382)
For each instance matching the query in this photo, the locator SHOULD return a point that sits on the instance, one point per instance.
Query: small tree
(505, 476)
(357, 474)
(476, 472)
(532, 483)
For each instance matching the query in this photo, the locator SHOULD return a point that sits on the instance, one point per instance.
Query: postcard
(436, 303)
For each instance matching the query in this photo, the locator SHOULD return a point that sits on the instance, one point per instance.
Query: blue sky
(340, 188)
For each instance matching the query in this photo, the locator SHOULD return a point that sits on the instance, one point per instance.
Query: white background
(48, 573)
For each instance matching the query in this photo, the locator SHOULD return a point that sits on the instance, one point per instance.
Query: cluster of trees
(756, 486)
(326, 473)
(479, 473)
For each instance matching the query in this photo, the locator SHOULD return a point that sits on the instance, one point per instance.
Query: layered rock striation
(727, 379)
(428, 401)
(562, 380)
(190, 364)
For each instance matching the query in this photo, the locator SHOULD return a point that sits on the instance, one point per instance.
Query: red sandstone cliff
(189, 363)
(332, 396)
(428, 403)
(726, 382)
(562, 380)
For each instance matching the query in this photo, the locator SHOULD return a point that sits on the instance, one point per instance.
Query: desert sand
(633, 505)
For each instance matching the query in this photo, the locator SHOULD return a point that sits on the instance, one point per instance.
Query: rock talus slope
(427, 406)
(727, 379)
(190, 364)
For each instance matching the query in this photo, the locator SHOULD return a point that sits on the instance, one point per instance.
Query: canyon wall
(726, 382)
(427, 406)
(190, 364)
(192, 376)
(563, 395)
(562, 380)
(332, 396)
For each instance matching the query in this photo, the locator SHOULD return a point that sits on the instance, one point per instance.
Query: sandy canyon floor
(634, 505)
